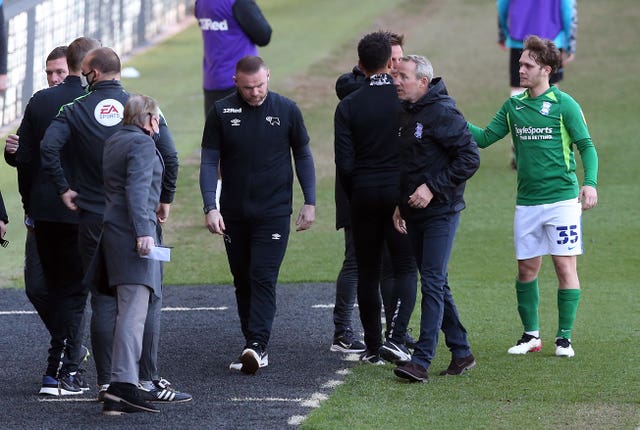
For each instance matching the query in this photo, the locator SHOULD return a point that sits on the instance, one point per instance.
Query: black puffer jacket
(436, 149)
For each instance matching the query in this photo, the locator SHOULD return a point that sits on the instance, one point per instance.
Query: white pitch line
(327, 306)
(265, 399)
(333, 383)
(69, 399)
(17, 312)
(167, 309)
(296, 420)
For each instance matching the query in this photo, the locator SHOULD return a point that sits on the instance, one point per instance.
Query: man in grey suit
(132, 171)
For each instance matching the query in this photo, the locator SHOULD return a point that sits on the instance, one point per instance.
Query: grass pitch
(314, 42)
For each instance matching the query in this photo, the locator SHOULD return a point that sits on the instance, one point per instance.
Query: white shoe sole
(50, 391)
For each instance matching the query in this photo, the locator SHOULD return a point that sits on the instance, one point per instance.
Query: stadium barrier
(35, 27)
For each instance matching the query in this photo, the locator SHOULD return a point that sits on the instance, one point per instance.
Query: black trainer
(395, 352)
(347, 344)
(162, 391)
(253, 358)
(62, 386)
(80, 381)
(128, 396)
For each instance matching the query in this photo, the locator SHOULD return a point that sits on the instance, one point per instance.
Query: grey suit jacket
(132, 173)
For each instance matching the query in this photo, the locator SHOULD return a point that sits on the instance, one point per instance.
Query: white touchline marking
(167, 309)
(296, 420)
(179, 309)
(265, 399)
(351, 357)
(314, 401)
(328, 306)
(331, 384)
(69, 399)
(17, 312)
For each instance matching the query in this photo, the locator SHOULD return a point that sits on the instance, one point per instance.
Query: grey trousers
(133, 304)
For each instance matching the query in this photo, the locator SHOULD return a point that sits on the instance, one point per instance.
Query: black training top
(85, 124)
(254, 145)
(366, 136)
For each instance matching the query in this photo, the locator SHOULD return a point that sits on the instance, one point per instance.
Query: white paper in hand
(160, 253)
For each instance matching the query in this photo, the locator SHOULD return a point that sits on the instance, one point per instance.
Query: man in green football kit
(544, 124)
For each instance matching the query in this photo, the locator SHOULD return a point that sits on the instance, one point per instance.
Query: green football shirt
(544, 130)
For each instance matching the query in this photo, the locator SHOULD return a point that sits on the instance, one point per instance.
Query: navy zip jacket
(438, 150)
(85, 124)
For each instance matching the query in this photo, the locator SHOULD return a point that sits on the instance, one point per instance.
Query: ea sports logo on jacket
(109, 112)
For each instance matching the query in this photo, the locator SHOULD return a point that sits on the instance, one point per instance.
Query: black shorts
(514, 67)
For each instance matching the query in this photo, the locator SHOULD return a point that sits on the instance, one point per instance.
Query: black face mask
(156, 137)
(89, 81)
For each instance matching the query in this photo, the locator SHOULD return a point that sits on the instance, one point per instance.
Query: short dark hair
(57, 52)
(250, 64)
(77, 51)
(104, 59)
(374, 51)
(395, 39)
(544, 52)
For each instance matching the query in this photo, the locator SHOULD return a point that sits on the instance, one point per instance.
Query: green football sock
(528, 297)
(567, 307)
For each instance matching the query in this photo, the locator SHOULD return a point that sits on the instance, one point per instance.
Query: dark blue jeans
(255, 250)
(432, 241)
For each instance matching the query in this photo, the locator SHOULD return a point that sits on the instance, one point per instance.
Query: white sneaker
(564, 348)
(527, 343)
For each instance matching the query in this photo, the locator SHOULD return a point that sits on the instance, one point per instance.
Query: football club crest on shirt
(109, 112)
(273, 120)
(235, 122)
(418, 132)
(546, 107)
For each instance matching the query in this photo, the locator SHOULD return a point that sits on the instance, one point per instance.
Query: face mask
(89, 82)
(156, 137)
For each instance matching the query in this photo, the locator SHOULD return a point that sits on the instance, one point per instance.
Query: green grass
(313, 43)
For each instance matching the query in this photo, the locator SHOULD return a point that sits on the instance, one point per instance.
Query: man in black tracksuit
(56, 229)
(84, 125)
(398, 303)
(438, 155)
(368, 166)
(252, 133)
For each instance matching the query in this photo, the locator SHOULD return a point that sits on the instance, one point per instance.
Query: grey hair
(424, 69)
(138, 108)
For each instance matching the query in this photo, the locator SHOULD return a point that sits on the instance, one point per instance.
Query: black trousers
(255, 250)
(372, 224)
(67, 295)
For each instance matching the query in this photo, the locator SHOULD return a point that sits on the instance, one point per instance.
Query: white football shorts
(550, 229)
